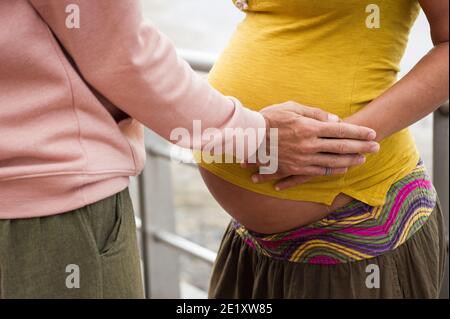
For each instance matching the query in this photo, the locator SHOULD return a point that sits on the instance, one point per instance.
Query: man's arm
(135, 67)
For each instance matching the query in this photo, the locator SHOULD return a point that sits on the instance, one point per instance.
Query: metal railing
(160, 244)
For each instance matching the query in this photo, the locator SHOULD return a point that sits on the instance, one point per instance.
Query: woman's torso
(323, 54)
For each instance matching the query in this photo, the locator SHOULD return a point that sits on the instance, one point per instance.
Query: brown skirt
(413, 270)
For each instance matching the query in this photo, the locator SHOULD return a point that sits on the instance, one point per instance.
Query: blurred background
(205, 26)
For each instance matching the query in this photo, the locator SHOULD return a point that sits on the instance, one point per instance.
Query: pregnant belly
(265, 214)
(260, 70)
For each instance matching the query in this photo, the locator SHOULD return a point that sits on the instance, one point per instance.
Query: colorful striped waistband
(357, 231)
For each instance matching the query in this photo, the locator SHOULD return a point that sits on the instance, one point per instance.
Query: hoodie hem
(54, 195)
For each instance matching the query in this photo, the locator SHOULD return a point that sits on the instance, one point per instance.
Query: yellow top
(328, 54)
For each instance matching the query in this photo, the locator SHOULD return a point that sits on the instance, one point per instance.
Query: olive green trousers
(90, 252)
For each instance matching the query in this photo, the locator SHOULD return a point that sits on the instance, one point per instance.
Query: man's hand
(313, 143)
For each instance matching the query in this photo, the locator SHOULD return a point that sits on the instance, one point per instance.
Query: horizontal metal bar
(201, 62)
(183, 245)
(164, 152)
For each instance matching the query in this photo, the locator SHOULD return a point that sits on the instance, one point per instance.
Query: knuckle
(341, 131)
(300, 160)
(319, 171)
(278, 107)
(307, 129)
(293, 131)
(318, 113)
(313, 130)
(342, 148)
(292, 104)
(306, 133)
(333, 161)
(309, 148)
(312, 160)
(299, 129)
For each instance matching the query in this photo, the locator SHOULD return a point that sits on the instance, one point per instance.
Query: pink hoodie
(60, 145)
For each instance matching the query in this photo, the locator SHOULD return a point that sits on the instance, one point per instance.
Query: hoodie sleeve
(135, 67)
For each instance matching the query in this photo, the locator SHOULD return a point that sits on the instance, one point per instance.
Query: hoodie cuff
(249, 119)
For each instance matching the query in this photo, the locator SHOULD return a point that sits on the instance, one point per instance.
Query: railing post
(161, 264)
(441, 172)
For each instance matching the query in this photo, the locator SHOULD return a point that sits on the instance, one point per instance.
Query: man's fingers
(296, 180)
(292, 181)
(338, 171)
(347, 131)
(344, 146)
(320, 115)
(311, 112)
(322, 171)
(335, 161)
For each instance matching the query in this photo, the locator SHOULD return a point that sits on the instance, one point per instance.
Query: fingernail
(372, 135)
(362, 160)
(375, 147)
(277, 188)
(333, 118)
(255, 179)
